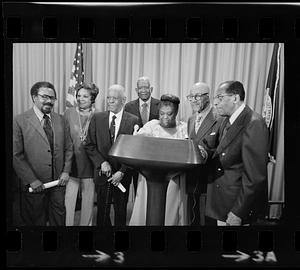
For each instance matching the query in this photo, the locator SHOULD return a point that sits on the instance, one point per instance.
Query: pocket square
(213, 133)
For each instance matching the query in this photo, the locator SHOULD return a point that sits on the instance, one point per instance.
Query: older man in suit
(200, 125)
(237, 188)
(42, 152)
(145, 108)
(104, 128)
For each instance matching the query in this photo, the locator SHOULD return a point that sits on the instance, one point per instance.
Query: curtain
(171, 67)
(33, 62)
(174, 68)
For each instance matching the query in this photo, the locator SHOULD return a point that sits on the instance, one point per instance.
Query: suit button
(49, 165)
(49, 151)
(218, 186)
(219, 169)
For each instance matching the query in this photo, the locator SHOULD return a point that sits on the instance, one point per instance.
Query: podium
(157, 159)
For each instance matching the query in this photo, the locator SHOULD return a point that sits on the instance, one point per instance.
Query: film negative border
(161, 246)
(149, 23)
(154, 246)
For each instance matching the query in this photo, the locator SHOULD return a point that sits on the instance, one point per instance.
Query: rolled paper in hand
(121, 187)
(48, 185)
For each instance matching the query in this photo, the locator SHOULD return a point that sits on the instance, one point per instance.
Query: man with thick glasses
(42, 152)
(237, 186)
(200, 125)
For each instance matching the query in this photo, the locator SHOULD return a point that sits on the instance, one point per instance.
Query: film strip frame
(160, 246)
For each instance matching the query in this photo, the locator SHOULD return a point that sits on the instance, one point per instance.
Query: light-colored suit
(31, 149)
(32, 160)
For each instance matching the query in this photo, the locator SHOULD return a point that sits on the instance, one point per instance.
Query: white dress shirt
(235, 115)
(40, 115)
(117, 121)
(202, 114)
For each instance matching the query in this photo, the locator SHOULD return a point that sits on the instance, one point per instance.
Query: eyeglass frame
(222, 96)
(199, 96)
(46, 97)
(113, 98)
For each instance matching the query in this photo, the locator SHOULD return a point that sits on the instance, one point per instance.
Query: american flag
(77, 76)
(271, 101)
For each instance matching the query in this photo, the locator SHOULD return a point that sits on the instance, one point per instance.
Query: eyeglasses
(111, 98)
(195, 97)
(45, 97)
(220, 97)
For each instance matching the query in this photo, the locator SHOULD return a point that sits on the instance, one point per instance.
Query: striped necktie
(48, 130)
(144, 113)
(198, 122)
(226, 127)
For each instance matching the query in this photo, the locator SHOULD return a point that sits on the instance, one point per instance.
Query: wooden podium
(157, 159)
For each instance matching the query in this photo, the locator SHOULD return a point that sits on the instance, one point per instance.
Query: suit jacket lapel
(34, 121)
(137, 108)
(208, 121)
(152, 109)
(106, 126)
(234, 130)
(192, 127)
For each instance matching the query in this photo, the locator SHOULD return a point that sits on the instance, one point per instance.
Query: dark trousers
(106, 195)
(36, 209)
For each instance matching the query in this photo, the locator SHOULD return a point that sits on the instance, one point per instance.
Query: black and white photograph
(148, 134)
(151, 134)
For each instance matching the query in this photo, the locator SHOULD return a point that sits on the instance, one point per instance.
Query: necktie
(112, 129)
(144, 113)
(226, 127)
(48, 130)
(198, 122)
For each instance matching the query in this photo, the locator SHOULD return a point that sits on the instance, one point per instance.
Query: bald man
(104, 128)
(200, 125)
(145, 108)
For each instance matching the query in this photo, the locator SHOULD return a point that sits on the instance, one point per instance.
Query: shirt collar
(205, 112)
(118, 115)
(141, 102)
(237, 112)
(39, 114)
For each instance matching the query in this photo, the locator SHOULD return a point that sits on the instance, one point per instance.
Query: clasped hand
(116, 178)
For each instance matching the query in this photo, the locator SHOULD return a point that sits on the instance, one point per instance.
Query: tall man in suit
(104, 128)
(200, 125)
(42, 152)
(145, 108)
(237, 189)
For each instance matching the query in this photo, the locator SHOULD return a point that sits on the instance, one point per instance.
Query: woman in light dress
(81, 177)
(176, 199)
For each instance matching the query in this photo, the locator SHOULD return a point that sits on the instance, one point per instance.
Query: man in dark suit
(42, 152)
(145, 108)
(103, 130)
(237, 187)
(200, 125)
